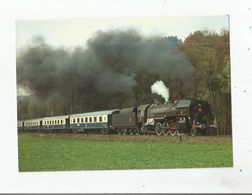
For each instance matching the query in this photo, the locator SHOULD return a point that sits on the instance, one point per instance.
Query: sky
(69, 33)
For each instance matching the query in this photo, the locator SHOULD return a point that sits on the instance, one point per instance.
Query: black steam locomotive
(171, 118)
(178, 117)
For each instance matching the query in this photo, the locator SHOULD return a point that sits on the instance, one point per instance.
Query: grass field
(56, 152)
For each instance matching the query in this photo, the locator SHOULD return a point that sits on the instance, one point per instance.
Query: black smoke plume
(109, 73)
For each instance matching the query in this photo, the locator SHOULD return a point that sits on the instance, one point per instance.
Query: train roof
(30, 120)
(55, 117)
(96, 113)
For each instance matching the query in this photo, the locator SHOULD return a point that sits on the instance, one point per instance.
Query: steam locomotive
(171, 118)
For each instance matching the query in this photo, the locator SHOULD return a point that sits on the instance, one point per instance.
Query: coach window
(95, 119)
(74, 120)
(100, 119)
(90, 119)
(82, 120)
(104, 118)
(78, 120)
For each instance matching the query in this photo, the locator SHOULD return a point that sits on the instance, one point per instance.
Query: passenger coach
(30, 125)
(55, 123)
(100, 120)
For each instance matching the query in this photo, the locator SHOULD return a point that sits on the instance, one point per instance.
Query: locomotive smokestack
(159, 88)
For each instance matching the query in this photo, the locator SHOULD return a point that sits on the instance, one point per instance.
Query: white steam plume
(160, 88)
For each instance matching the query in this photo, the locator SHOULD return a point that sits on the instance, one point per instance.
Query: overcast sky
(75, 32)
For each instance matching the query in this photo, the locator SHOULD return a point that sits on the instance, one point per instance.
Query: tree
(209, 54)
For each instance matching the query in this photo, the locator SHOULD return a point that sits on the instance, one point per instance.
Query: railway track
(115, 137)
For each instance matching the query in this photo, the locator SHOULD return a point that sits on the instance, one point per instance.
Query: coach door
(67, 122)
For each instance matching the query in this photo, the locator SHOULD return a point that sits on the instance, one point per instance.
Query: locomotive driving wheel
(165, 129)
(173, 132)
(159, 129)
(180, 132)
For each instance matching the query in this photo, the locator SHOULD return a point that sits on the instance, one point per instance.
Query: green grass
(57, 153)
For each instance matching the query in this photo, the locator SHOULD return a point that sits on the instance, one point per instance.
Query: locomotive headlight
(200, 109)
